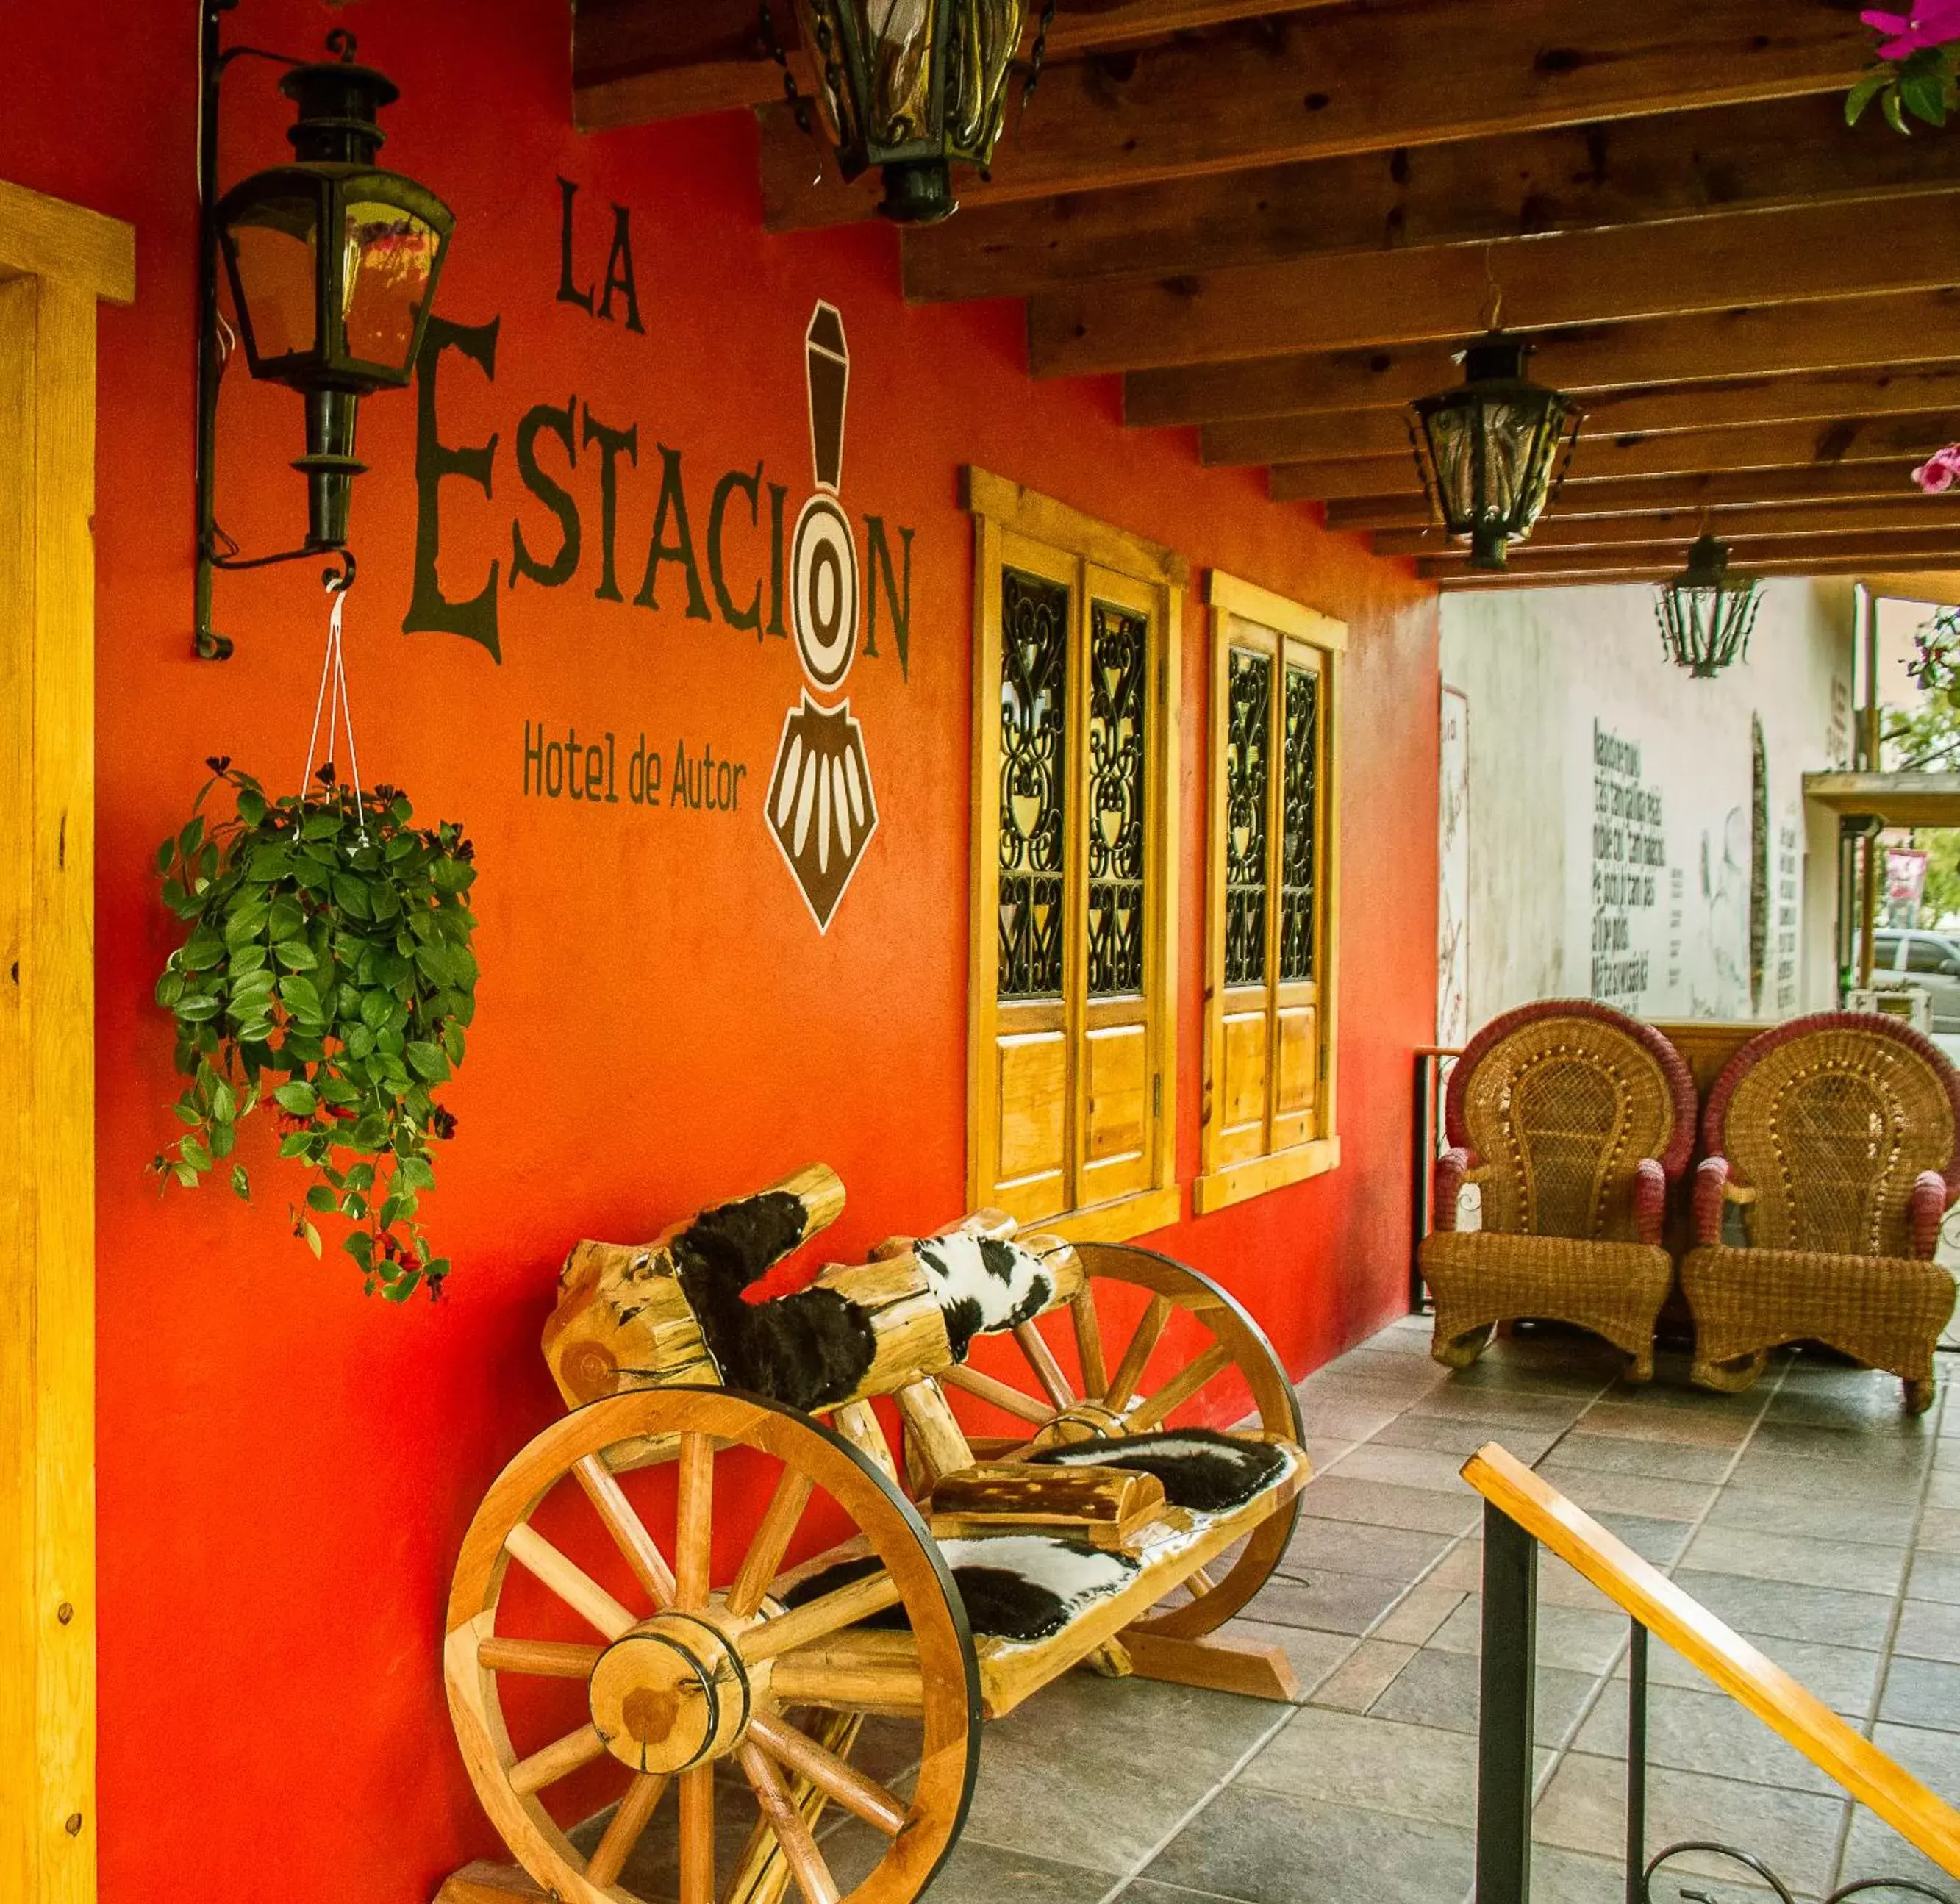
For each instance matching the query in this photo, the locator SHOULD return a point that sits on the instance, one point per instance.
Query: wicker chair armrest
(1930, 1201)
(1650, 1199)
(1454, 1168)
(1713, 1189)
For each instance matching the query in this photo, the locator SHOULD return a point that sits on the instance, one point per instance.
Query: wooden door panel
(1296, 1074)
(1033, 1072)
(1116, 1125)
(1240, 1093)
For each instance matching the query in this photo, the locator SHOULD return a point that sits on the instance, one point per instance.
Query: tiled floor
(1809, 1513)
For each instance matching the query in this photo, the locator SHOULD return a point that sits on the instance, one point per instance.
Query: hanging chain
(772, 43)
(1040, 56)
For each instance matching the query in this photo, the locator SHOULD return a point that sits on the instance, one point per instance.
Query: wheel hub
(674, 1692)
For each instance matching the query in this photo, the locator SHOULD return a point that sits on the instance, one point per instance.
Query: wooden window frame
(1282, 623)
(1006, 515)
(56, 261)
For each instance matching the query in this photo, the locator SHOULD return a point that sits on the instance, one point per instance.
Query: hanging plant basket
(327, 971)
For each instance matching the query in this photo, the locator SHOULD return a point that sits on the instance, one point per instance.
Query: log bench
(762, 1523)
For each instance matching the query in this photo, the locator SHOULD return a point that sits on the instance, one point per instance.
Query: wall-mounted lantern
(1492, 453)
(915, 88)
(333, 264)
(1705, 612)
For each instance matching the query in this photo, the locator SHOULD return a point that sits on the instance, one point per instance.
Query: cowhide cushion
(982, 1286)
(1020, 1587)
(1201, 1469)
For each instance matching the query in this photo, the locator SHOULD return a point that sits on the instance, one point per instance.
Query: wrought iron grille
(1248, 789)
(1119, 658)
(1299, 824)
(1034, 746)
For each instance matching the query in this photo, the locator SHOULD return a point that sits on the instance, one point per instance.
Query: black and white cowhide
(806, 1350)
(983, 1285)
(1020, 1587)
(1201, 1469)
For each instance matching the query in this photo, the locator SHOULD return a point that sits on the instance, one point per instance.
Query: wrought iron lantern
(333, 263)
(915, 86)
(1705, 612)
(1491, 452)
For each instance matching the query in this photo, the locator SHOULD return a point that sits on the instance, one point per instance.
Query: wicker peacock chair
(1837, 1139)
(1571, 1118)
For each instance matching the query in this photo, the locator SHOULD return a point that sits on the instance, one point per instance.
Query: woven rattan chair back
(1561, 1101)
(1829, 1120)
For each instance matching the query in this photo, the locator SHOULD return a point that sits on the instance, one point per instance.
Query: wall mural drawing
(821, 812)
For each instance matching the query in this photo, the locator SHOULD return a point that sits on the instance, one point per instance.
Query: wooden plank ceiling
(1278, 226)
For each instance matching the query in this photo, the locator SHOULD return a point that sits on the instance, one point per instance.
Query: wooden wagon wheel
(708, 1675)
(1112, 1377)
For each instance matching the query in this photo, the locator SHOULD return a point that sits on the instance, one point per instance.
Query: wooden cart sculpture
(778, 1580)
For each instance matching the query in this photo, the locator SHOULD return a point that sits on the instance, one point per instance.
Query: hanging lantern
(1492, 452)
(915, 86)
(1705, 613)
(333, 264)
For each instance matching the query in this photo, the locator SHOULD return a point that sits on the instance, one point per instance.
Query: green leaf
(165, 854)
(224, 1139)
(361, 1246)
(350, 895)
(194, 1154)
(376, 1009)
(245, 922)
(246, 960)
(185, 1175)
(191, 838)
(321, 826)
(402, 1287)
(241, 1184)
(170, 988)
(301, 996)
(428, 1060)
(194, 1009)
(297, 1097)
(1894, 118)
(251, 807)
(311, 1234)
(322, 1199)
(223, 1102)
(202, 950)
(295, 955)
(286, 918)
(360, 1176)
(268, 863)
(418, 1173)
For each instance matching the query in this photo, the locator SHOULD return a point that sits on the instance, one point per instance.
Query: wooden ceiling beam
(1784, 446)
(1879, 332)
(1909, 514)
(1793, 255)
(1796, 568)
(1931, 549)
(1719, 492)
(1634, 171)
(634, 61)
(1332, 80)
(1702, 406)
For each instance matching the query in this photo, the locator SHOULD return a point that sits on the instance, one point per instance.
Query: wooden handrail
(1787, 1708)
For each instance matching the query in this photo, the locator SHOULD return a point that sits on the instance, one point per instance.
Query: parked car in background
(1931, 959)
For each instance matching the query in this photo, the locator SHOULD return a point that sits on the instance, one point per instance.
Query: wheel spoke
(819, 1676)
(1088, 1342)
(764, 1557)
(1173, 1396)
(544, 1658)
(831, 1776)
(609, 1859)
(561, 1756)
(857, 1422)
(1010, 1400)
(694, 1542)
(802, 1625)
(806, 1862)
(1136, 1358)
(697, 1835)
(1200, 1582)
(572, 1585)
(628, 1532)
(1040, 1359)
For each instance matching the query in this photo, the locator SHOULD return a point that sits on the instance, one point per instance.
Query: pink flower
(1931, 23)
(1940, 471)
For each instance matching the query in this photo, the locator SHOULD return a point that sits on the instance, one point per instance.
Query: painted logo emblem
(821, 811)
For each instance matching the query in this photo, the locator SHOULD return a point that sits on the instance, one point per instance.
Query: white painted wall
(1610, 843)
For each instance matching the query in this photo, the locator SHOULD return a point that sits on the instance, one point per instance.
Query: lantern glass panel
(390, 259)
(829, 59)
(274, 245)
(898, 35)
(1511, 431)
(1452, 445)
(986, 35)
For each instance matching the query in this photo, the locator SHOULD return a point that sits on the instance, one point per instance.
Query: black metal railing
(1505, 1770)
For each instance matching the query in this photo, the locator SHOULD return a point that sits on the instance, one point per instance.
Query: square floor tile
(1660, 1423)
(1418, 1613)
(1846, 1678)
(1103, 1768)
(1764, 1471)
(1928, 1630)
(1922, 1692)
(1782, 1611)
(1827, 1514)
(1461, 1438)
(1689, 1731)
(1581, 1639)
(1320, 1545)
(1415, 1771)
(1935, 1576)
(1584, 1808)
(1312, 1654)
(1939, 1530)
(1661, 1541)
(1932, 1758)
(1644, 1494)
(1875, 1850)
(1405, 1468)
(1614, 1454)
(1333, 1602)
(1848, 1564)
(1363, 1676)
(1442, 1690)
(1282, 1848)
(1329, 1497)
(976, 1873)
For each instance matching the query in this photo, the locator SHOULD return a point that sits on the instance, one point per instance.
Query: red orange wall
(286, 1469)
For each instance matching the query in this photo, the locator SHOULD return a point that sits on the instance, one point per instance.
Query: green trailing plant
(327, 971)
(1915, 71)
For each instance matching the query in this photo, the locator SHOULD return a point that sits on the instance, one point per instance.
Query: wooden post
(56, 261)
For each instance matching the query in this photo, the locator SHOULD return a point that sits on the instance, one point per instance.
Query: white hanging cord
(333, 698)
